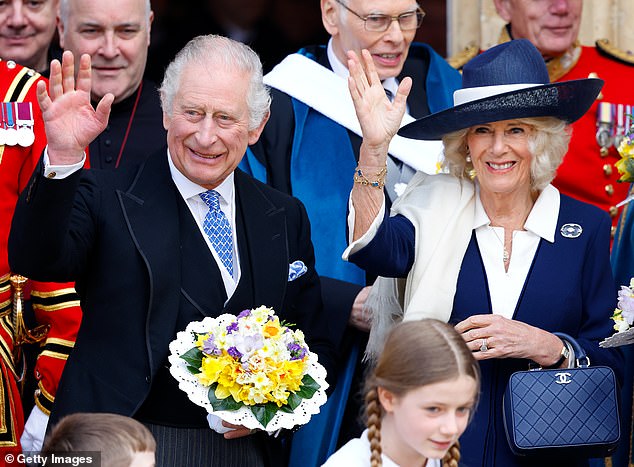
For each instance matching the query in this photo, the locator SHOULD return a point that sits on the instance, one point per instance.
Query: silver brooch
(571, 230)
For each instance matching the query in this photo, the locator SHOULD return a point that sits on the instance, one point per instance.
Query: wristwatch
(565, 353)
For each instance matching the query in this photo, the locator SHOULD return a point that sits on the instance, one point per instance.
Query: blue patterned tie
(217, 228)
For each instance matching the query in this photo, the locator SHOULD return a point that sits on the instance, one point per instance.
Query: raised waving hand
(70, 120)
(379, 118)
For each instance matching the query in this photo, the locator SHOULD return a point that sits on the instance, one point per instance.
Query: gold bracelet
(378, 182)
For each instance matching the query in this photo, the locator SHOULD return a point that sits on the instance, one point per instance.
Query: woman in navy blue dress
(489, 244)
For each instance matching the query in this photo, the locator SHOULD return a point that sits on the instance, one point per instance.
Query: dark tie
(217, 228)
(389, 94)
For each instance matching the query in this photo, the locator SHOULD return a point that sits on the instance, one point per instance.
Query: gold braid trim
(14, 84)
(7, 324)
(43, 399)
(607, 49)
(27, 86)
(465, 55)
(6, 355)
(57, 340)
(53, 293)
(57, 355)
(8, 435)
(58, 306)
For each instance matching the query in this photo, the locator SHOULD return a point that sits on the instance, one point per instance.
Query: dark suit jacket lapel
(201, 281)
(151, 211)
(264, 252)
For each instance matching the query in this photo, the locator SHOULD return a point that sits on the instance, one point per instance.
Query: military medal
(620, 125)
(11, 131)
(2, 124)
(24, 123)
(605, 127)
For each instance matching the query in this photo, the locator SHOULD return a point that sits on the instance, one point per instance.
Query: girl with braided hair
(418, 400)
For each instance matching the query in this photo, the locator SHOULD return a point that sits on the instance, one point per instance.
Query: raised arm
(380, 119)
(71, 122)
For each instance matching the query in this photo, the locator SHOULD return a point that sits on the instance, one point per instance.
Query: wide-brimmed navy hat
(507, 81)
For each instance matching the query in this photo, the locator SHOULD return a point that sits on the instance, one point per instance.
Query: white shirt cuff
(58, 172)
(354, 246)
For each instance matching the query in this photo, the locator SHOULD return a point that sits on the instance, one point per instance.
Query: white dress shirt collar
(542, 220)
(190, 191)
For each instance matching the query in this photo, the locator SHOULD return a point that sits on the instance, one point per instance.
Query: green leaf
(193, 370)
(308, 388)
(264, 413)
(193, 357)
(293, 401)
(228, 403)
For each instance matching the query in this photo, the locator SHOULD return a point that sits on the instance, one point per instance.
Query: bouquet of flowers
(623, 318)
(625, 165)
(250, 370)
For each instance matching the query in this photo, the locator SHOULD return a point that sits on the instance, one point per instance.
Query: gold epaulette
(21, 83)
(611, 51)
(461, 58)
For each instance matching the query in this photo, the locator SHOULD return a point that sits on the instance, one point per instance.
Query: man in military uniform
(587, 172)
(117, 41)
(22, 140)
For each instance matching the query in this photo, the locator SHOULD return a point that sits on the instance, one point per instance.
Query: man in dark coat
(145, 266)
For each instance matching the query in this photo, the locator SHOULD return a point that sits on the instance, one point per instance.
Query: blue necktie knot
(218, 229)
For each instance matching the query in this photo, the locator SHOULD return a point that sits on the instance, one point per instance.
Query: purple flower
(244, 314)
(232, 327)
(626, 304)
(297, 351)
(235, 353)
(246, 345)
(210, 348)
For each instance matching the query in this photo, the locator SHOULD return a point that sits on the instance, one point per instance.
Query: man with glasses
(311, 143)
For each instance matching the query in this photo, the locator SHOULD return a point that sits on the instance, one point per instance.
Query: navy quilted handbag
(566, 411)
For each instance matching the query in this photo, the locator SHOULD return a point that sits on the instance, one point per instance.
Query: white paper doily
(197, 393)
(618, 339)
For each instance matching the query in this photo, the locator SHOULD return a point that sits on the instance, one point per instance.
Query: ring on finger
(483, 346)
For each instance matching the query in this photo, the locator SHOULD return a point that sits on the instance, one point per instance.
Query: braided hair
(399, 370)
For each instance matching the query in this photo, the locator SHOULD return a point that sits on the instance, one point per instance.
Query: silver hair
(228, 53)
(548, 145)
(64, 11)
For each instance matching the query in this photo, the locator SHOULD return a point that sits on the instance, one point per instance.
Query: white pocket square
(296, 269)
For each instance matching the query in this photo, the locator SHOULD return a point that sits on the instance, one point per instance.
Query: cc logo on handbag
(563, 378)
